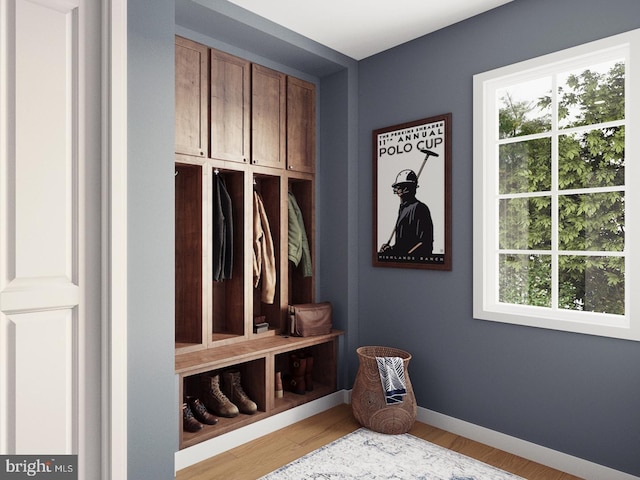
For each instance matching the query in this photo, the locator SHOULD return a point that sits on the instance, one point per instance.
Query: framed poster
(412, 194)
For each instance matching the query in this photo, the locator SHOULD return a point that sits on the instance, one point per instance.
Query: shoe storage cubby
(245, 147)
(252, 375)
(257, 360)
(323, 381)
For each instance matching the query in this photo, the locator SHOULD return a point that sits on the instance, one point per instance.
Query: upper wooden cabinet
(191, 101)
(301, 134)
(230, 107)
(268, 117)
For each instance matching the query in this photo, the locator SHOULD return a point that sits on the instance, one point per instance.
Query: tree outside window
(553, 187)
(589, 159)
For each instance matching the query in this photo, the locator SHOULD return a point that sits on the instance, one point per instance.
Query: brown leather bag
(309, 319)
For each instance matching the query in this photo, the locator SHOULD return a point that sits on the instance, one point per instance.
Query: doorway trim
(114, 251)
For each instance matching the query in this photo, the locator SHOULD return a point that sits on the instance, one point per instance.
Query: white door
(50, 230)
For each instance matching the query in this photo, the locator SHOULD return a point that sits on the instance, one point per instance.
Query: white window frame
(485, 211)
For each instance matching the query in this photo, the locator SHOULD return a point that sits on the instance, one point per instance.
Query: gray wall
(336, 234)
(152, 403)
(574, 393)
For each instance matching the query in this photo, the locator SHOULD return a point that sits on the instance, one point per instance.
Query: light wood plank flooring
(263, 455)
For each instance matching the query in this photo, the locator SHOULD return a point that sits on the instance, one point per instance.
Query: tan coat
(264, 261)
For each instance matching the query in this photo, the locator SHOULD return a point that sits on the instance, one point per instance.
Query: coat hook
(216, 171)
(175, 174)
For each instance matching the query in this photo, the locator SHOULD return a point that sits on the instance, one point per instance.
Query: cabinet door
(268, 114)
(191, 97)
(301, 130)
(230, 107)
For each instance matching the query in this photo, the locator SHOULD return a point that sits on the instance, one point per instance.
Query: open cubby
(252, 376)
(258, 360)
(301, 287)
(268, 187)
(189, 253)
(323, 374)
(227, 295)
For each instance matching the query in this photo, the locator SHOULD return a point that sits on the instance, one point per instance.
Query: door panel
(230, 107)
(43, 391)
(191, 60)
(50, 224)
(268, 117)
(44, 139)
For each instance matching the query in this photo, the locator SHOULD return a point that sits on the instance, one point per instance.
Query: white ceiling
(361, 28)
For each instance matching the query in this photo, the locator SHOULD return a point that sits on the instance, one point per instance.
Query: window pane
(525, 223)
(525, 280)
(525, 166)
(591, 95)
(593, 158)
(591, 284)
(591, 222)
(524, 108)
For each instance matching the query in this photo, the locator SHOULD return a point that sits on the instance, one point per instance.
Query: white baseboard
(531, 451)
(215, 446)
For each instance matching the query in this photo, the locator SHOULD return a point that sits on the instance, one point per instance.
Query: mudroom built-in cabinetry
(245, 153)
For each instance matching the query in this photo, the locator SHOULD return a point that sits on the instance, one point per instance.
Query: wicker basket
(368, 398)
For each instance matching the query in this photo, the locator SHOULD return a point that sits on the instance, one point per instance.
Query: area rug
(369, 455)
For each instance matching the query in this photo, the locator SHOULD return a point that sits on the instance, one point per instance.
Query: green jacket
(298, 242)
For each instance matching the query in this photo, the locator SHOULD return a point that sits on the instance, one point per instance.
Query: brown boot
(200, 411)
(308, 373)
(297, 366)
(189, 423)
(278, 385)
(214, 399)
(236, 393)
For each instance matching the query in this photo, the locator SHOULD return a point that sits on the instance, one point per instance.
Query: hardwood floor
(263, 455)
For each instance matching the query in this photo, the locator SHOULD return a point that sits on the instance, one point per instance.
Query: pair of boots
(230, 403)
(300, 373)
(195, 414)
